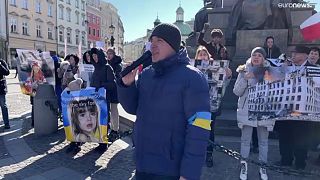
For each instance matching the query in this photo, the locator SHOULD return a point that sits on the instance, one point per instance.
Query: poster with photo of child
(286, 93)
(215, 73)
(85, 115)
(34, 68)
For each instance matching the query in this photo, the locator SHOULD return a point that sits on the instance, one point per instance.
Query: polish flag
(310, 28)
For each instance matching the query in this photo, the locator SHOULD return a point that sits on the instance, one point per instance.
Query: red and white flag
(310, 28)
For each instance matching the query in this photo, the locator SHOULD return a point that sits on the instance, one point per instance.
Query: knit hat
(170, 33)
(301, 49)
(259, 50)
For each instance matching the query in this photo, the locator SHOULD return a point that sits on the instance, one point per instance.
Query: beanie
(259, 50)
(168, 32)
(301, 49)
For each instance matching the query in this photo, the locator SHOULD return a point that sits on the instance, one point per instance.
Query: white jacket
(241, 89)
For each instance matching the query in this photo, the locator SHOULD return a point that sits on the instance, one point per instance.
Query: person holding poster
(294, 135)
(245, 79)
(103, 76)
(205, 64)
(171, 101)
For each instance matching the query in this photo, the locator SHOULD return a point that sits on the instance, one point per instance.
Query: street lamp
(111, 30)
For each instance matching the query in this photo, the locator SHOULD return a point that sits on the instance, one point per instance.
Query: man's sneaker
(7, 126)
(263, 174)
(243, 170)
(209, 160)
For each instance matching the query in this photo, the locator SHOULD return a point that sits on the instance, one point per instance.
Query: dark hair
(216, 33)
(84, 57)
(315, 49)
(269, 37)
(76, 58)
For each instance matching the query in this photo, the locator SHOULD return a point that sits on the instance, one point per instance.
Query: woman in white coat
(244, 80)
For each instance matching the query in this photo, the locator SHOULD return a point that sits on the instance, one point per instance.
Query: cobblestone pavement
(25, 155)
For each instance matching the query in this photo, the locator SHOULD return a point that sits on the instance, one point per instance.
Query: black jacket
(115, 63)
(4, 71)
(273, 52)
(103, 76)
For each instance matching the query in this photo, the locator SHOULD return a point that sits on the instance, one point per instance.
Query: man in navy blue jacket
(171, 101)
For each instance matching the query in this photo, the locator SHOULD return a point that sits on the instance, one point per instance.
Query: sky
(138, 15)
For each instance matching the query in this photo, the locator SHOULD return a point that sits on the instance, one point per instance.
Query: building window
(82, 5)
(13, 25)
(83, 40)
(89, 30)
(94, 32)
(83, 20)
(61, 35)
(60, 12)
(280, 99)
(13, 2)
(77, 17)
(69, 35)
(24, 4)
(50, 10)
(38, 30)
(94, 19)
(77, 38)
(297, 107)
(38, 6)
(287, 98)
(25, 28)
(69, 15)
(220, 77)
(77, 3)
(50, 35)
(292, 98)
(299, 88)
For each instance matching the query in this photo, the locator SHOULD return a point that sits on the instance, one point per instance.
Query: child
(203, 62)
(246, 79)
(84, 119)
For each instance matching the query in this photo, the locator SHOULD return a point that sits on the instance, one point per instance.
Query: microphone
(145, 58)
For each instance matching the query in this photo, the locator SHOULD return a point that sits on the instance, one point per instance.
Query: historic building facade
(71, 26)
(31, 25)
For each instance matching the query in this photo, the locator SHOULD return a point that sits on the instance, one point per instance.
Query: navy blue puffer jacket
(171, 102)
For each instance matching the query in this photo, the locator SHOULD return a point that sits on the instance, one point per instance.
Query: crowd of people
(295, 137)
(171, 99)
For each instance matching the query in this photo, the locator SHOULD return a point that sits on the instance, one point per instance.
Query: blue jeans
(4, 109)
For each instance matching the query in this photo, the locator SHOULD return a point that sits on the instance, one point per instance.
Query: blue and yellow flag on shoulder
(85, 115)
(201, 119)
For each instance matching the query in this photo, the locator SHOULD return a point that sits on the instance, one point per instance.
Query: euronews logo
(295, 5)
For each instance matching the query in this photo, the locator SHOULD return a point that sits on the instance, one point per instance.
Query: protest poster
(286, 93)
(85, 115)
(34, 68)
(86, 71)
(215, 73)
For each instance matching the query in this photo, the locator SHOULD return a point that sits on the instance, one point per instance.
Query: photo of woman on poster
(85, 120)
